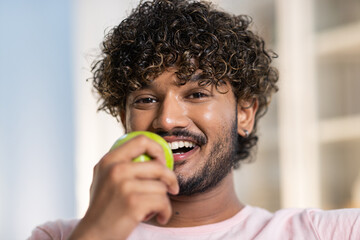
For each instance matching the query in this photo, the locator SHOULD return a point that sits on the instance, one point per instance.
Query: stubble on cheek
(216, 167)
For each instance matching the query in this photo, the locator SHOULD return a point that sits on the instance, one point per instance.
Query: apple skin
(144, 157)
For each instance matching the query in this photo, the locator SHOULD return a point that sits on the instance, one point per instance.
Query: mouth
(182, 149)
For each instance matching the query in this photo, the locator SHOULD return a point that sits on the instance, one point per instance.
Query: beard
(218, 165)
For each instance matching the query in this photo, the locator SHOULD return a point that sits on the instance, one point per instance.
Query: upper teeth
(181, 144)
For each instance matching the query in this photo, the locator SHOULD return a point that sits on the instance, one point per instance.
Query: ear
(246, 111)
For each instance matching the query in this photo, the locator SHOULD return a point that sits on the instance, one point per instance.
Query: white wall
(36, 115)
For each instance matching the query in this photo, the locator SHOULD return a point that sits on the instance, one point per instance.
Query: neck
(215, 205)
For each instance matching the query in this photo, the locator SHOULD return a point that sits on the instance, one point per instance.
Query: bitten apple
(144, 157)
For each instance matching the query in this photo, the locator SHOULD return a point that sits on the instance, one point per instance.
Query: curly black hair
(164, 33)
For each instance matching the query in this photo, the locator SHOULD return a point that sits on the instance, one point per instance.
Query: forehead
(168, 77)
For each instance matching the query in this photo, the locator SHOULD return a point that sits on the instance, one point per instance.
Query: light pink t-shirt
(249, 223)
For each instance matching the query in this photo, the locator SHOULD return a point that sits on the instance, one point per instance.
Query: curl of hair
(190, 35)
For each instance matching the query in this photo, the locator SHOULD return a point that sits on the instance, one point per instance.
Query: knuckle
(163, 189)
(133, 207)
(132, 201)
(168, 177)
(142, 140)
(117, 171)
(125, 187)
(163, 204)
(165, 201)
(158, 167)
(101, 165)
(157, 147)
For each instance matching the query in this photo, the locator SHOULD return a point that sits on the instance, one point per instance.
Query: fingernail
(149, 216)
(161, 220)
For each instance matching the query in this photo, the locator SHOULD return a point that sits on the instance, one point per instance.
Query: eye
(145, 100)
(197, 95)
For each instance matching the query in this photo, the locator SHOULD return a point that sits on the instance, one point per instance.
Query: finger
(120, 172)
(155, 171)
(154, 203)
(142, 187)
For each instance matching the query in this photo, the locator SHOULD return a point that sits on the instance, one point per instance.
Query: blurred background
(51, 135)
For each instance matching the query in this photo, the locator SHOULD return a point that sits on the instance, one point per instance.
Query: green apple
(144, 157)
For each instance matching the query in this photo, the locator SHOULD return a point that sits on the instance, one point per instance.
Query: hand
(124, 193)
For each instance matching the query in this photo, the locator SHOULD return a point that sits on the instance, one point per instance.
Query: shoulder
(336, 224)
(296, 223)
(54, 230)
(324, 224)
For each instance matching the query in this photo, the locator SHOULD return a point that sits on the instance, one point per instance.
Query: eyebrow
(195, 77)
(153, 85)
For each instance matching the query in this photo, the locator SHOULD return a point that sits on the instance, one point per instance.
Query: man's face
(200, 122)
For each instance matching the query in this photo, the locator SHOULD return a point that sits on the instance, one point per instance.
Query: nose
(171, 114)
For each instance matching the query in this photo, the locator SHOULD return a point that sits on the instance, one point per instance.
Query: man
(201, 79)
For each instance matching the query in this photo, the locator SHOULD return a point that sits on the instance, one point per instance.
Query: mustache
(200, 139)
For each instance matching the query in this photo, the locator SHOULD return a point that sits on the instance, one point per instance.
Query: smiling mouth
(181, 147)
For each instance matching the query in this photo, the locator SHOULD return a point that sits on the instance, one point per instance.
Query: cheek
(213, 116)
(138, 120)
